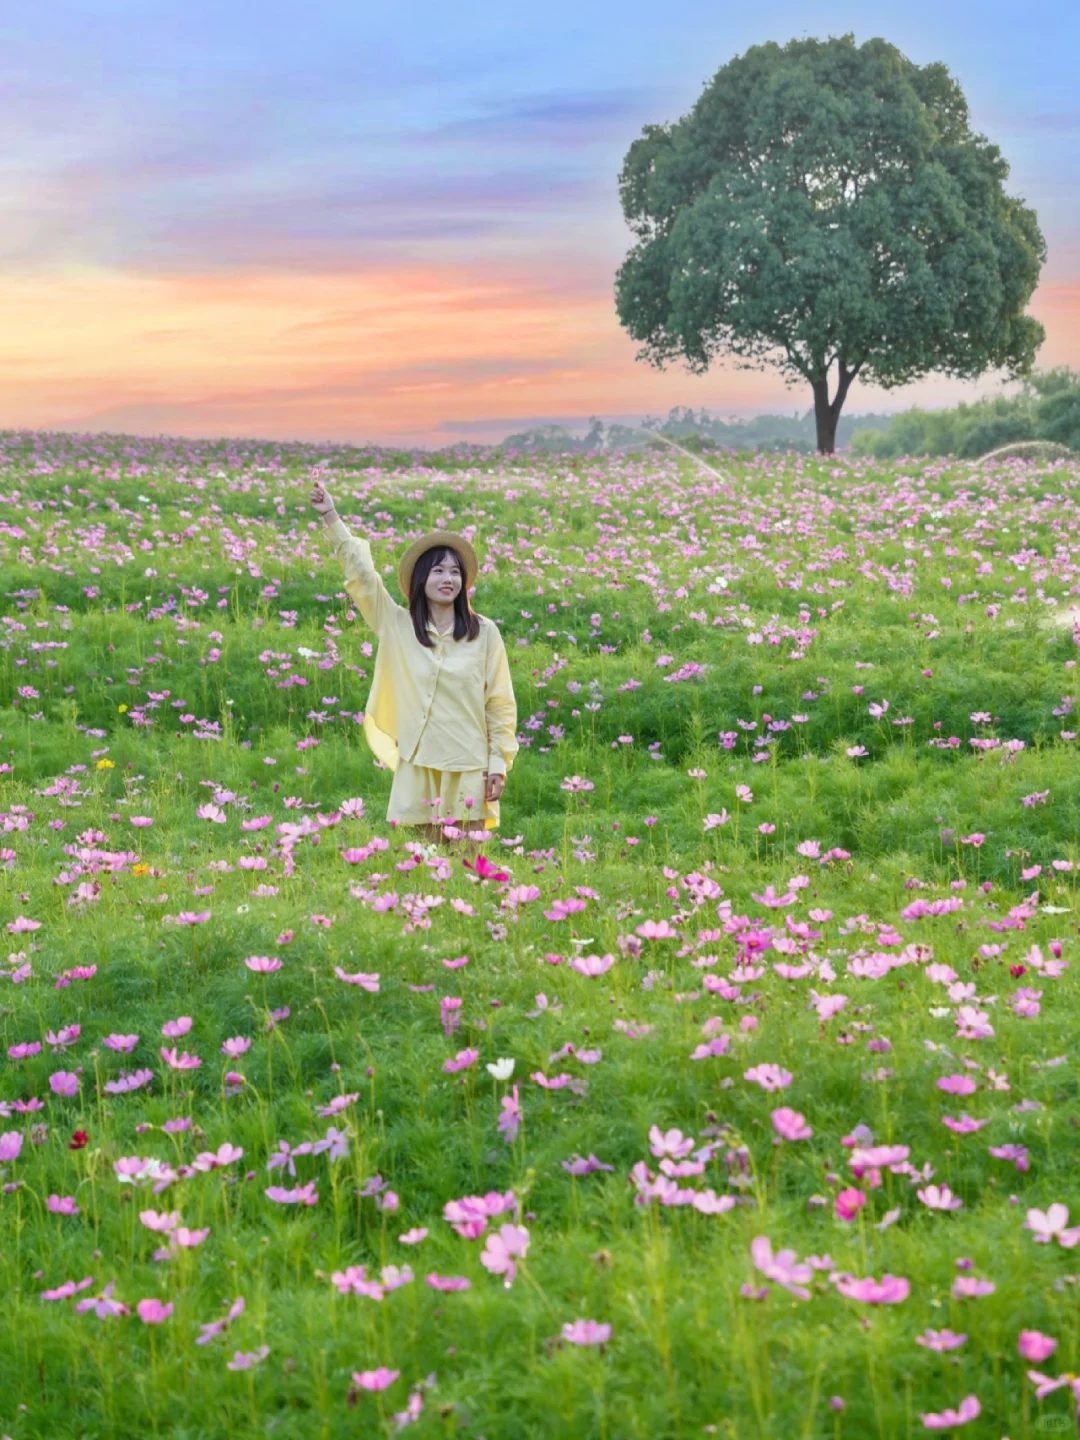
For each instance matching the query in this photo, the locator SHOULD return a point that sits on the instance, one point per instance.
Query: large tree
(825, 204)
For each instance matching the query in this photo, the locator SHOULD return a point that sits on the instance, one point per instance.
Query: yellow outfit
(438, 718)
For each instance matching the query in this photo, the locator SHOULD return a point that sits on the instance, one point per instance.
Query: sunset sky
(401, 224)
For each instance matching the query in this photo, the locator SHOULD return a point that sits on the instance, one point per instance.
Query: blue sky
(363, 222)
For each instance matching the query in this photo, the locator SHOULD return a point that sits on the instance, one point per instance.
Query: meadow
(732, 1091)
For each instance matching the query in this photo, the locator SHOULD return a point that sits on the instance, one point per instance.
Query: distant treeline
(1046, 407)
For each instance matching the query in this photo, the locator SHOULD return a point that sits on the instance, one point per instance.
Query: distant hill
(760, 432)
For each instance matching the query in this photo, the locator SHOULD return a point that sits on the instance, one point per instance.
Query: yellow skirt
(422, 796)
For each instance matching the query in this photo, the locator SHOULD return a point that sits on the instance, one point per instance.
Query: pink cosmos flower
(416, 1236)
(103, 1305)
(586, 1332)
(379, 1379)
(783, 1268)
(63, 1205)
(769, 1077)
(173, 1029)
(970, 1409)
(67, 1289)
(192, 917)
(672, 1143)
(152, 1311)
(141, 822)
(263, 964)
(247, 1360)
(370, 983)
(790, 1124)
(448, 1282)
(849, 1203)
(968, 1287)
(957, 1085)
(21, 925)
(503, 1250)
(592, 965)
(11, 1143)
(299, 1195)
(63, 1082)
(463, 1060)
(936, 1197)
(890, 1290)
(212, 1328)
(123, 1043)
(1035, 1346)
(1051, 1225)
(940, 1340)
(182, 1061)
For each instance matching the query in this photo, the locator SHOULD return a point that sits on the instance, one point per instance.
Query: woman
(441, 712)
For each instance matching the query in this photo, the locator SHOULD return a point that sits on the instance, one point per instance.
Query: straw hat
(437, 539)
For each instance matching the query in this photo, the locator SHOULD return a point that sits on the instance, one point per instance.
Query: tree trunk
(826, 411)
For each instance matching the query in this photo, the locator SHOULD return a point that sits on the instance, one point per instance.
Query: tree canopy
(825, 204)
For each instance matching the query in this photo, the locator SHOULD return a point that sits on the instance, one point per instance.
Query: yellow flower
(106, 764)
(140, 869)
(121, 708)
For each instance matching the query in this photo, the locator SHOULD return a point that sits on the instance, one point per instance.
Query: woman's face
(443, 584)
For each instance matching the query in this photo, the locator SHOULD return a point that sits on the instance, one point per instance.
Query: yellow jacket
(450, 708)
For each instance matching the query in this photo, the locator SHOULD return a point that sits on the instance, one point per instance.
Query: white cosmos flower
(502, 1069)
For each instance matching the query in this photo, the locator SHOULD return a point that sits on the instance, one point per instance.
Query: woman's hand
(494, 785)
(321, 500)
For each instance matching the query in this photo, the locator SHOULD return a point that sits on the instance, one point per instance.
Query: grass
(175, 635)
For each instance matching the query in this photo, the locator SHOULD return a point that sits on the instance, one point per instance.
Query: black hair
(466, 621)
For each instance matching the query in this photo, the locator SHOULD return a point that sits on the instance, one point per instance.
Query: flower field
(731, 1090)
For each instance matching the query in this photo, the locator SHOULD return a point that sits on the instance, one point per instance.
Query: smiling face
(444, 581)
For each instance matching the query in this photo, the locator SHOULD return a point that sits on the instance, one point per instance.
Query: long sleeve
(362, 581)
(500, 707)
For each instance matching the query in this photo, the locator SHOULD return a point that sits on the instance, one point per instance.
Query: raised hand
(320, 498)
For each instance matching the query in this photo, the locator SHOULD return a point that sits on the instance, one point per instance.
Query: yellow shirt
(450, 708)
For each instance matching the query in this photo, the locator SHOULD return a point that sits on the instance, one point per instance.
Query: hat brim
(433, 541)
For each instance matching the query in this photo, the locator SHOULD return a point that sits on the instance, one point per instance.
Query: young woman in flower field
(441, 712)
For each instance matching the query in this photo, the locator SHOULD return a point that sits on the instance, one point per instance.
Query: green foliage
(825, 202)
(1047, 407)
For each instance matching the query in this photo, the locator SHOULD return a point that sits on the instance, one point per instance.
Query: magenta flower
(63, 1082)
(153, 1312)
(940, 1340)
(11, 1143)
(173, 1029)
(510, 1117)
(769, 1077)
(890, 1290)
(123, 1043)
(503, 1250)
(448, 1282)
(103, 1305)
(299, 1195)
(212, 1328)
(1035, 1346)
(247, 1360)
(370, 983)
(970, 1409)
(192, 917)
(849, 1203)
(463, 1060)
(968, 1287)
(182, 1061)
(790, 1124)
(63, 1205)
(781, 1267)
(936, 1197)
(67, 1289)
(263, 964)
(379, 1379)
(1051, 1225)
(957, 1085)
(586, 1332)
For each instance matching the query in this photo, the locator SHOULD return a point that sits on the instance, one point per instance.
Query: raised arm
(362, 581)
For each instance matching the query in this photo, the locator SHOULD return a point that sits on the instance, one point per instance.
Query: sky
(400, 224)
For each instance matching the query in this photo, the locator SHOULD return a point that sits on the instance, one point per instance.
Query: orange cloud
(377, 355)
